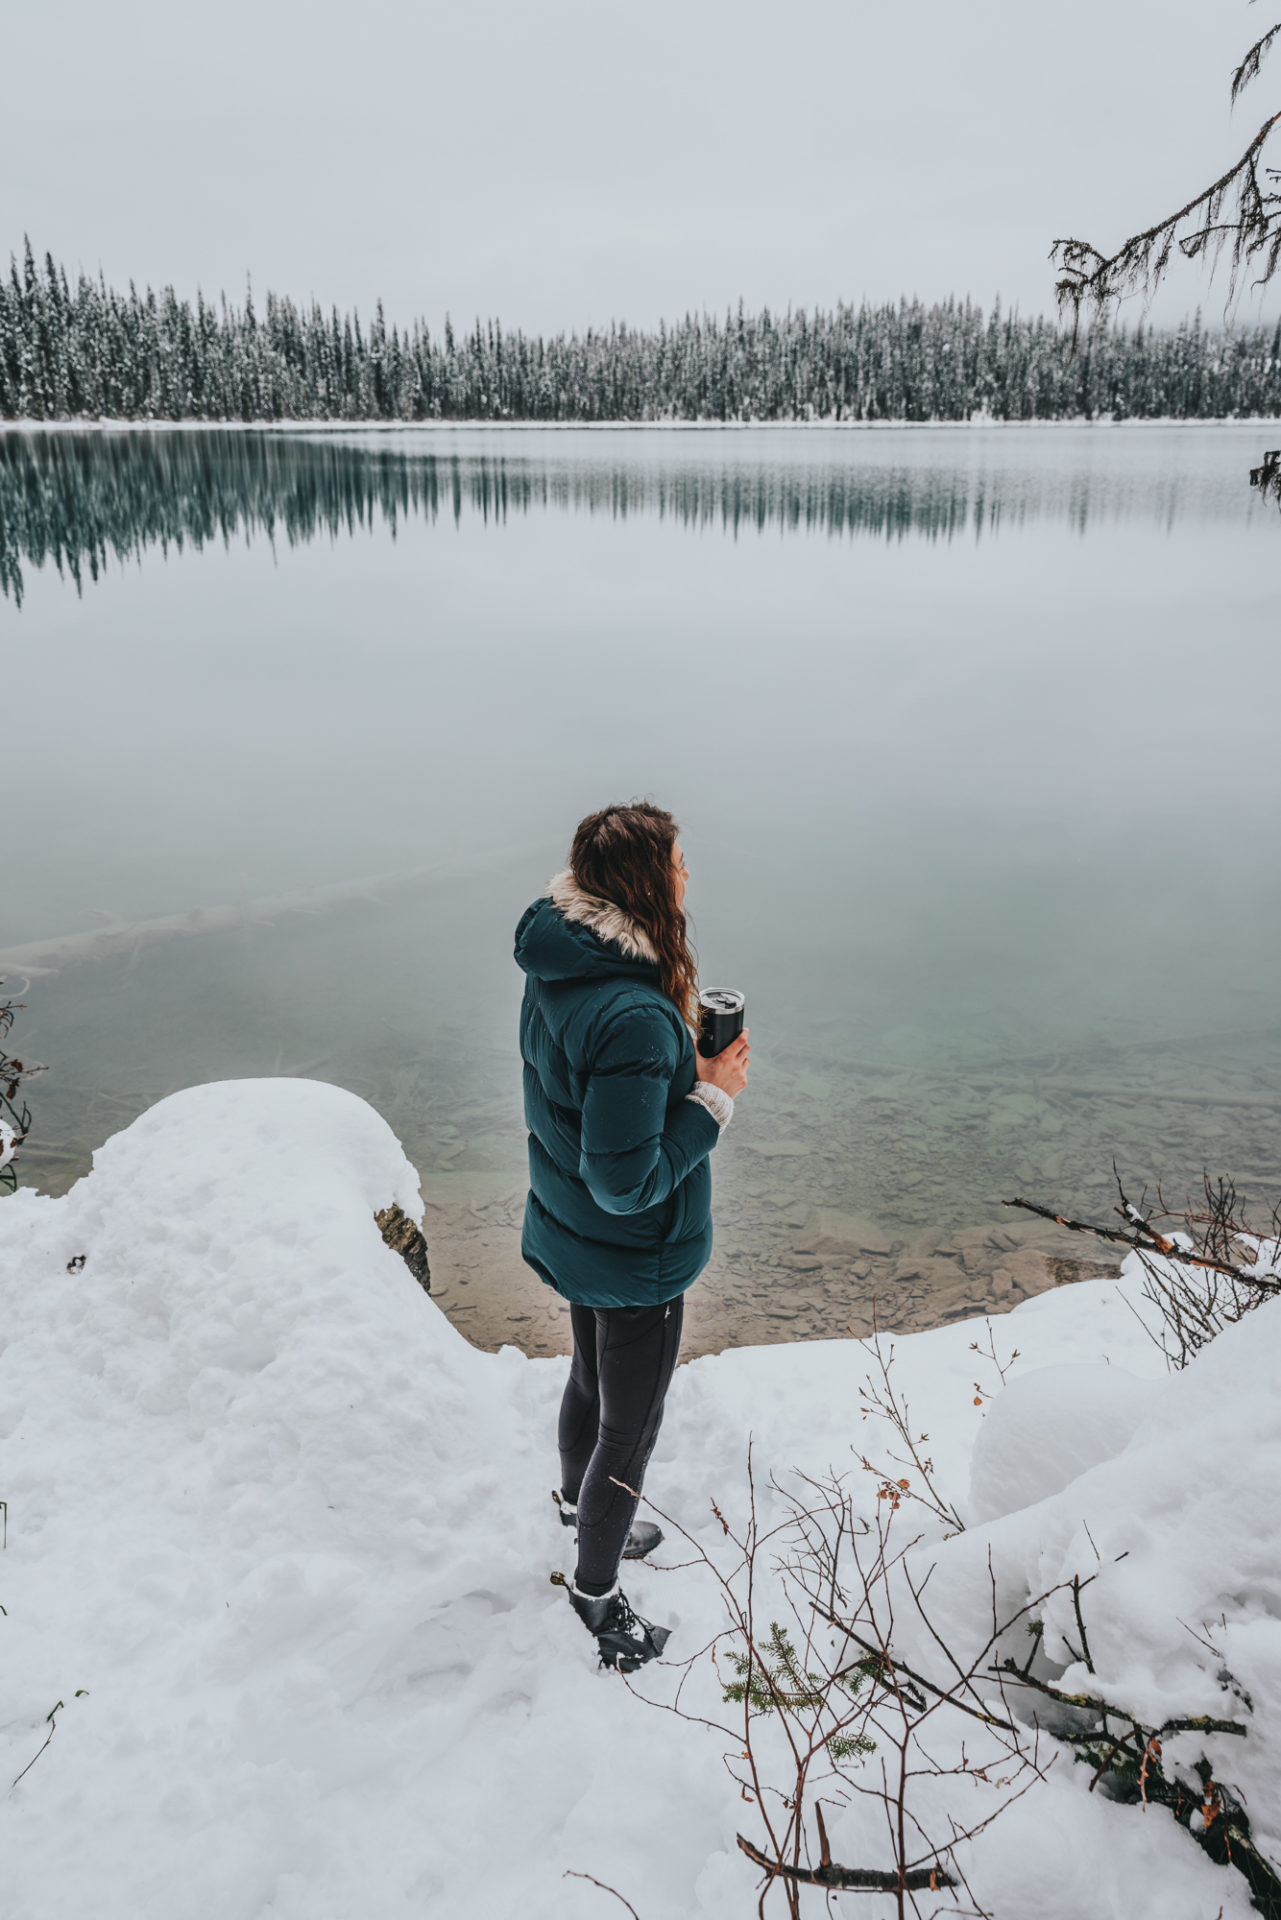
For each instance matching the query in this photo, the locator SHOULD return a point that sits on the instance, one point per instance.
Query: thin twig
(1076, 1602)
(571, 1873)
(53, 1728)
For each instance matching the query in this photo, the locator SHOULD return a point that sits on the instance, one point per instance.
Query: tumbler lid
(723, 1000)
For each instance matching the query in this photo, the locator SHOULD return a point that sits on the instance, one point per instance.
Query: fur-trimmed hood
(573, 935)
(606, 921)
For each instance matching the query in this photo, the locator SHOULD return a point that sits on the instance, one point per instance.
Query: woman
(623, 1113)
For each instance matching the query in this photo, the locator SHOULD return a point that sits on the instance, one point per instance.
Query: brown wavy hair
(623, 854)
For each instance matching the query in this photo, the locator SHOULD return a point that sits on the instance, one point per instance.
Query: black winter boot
(642, 1539)
(624, 1639)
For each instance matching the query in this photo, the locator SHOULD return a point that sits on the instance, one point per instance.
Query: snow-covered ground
(279, 1542)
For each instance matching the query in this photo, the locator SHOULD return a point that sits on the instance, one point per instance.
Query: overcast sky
(560, 163)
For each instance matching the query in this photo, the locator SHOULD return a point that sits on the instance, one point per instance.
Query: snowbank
(1177, 1522)
(279, 1541)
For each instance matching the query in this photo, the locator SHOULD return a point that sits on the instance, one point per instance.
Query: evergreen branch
(1249, 67)
(1094, 278)
(1267, 476)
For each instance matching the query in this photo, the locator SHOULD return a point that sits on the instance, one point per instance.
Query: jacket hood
(573, 935)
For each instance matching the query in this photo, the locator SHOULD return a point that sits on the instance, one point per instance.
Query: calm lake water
(971, 733)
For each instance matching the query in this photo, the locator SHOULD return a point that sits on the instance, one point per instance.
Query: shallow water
(970, 732)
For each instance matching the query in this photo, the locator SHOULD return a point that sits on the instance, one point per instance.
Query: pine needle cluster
(773, 1680)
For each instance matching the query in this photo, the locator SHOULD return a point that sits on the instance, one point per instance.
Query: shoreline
(816, 1273)
(791, 1275)
(1250, 422)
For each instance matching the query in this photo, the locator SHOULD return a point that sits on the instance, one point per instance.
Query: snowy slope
(279, 1540)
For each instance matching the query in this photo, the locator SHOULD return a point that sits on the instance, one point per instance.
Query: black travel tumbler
(720, 1019)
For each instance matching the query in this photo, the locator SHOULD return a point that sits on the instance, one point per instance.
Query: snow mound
(234, 1420)
(235, 1286)
(1049, 1426)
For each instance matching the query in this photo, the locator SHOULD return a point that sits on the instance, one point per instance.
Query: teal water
(970, 732)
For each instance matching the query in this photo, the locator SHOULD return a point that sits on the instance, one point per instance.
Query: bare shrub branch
(1193, 1275)
(824, 1706)
(571, 1873)
(828, 1713)
(881, 1400)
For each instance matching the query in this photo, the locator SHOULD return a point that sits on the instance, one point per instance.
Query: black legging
(612, 1409)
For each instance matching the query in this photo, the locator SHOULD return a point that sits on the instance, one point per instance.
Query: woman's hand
(726, 1070)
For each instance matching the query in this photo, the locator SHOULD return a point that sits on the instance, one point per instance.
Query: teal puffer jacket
(619, 1211)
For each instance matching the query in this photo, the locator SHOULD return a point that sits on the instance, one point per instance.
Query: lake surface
(971, 733)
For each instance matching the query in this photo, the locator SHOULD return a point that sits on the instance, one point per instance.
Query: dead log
(868, 1879)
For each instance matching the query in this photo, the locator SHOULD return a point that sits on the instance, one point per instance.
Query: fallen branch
(1143, 1238)
(1131, 1755)
(1086, 1703)
(915, 1880)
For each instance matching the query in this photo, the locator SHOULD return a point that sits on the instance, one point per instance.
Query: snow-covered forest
(84, 350)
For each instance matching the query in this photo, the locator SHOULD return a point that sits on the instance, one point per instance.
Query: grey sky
(565, 162)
